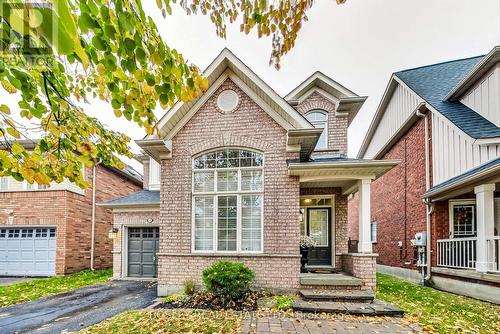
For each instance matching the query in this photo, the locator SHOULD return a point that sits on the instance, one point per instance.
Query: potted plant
(306, 245)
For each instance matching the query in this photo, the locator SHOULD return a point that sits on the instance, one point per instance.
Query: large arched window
(227, 201)
(319, 120)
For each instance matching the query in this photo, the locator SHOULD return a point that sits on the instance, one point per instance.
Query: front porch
(325, 183)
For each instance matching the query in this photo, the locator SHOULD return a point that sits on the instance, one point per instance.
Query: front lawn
(171, 321)
(26, 291)
(439, 311)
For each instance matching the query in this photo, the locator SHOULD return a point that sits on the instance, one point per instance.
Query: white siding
(400, 106)
(484, 96)
(14, 185)
(454, 152)
(154, 175)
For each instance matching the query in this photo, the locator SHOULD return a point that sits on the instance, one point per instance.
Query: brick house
(239, 174)
(442, 122)
(47, 231)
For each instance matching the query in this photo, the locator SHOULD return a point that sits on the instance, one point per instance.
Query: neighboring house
(239, 174)
(47, 231)
(456, 170)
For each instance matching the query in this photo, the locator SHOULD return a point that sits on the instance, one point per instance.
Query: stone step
(377, 308)
(360, 296)
(329, 280)
(320, 269)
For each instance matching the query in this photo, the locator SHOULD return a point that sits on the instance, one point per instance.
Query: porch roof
(144, 198)
(339, 171)
(488, 172)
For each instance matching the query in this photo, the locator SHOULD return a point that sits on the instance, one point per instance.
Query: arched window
(319, 120)
(227, 201)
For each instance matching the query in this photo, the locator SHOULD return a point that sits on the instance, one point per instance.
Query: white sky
(358, 44)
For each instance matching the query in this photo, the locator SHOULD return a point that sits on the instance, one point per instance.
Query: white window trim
(7, 183)
(451, 205)
(324, 112)
(216, 194)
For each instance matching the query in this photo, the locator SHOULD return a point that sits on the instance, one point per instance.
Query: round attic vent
(227, 101)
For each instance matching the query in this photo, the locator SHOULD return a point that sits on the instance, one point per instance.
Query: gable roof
(433, 83)
(227, 65)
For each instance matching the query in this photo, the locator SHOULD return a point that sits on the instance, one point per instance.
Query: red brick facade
(70, 213)
(396, 201)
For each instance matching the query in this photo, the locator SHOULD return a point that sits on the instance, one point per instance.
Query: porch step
(377, 308)
(351, 296)
(339, 279)
(321, 269)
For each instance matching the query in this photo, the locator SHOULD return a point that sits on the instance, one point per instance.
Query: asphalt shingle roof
(470, 173)
(433, 83)
(140, 197)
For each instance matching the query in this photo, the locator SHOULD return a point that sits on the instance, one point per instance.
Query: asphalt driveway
(76, 309)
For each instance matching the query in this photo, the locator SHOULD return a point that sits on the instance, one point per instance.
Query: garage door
(27, 251)
(143, 245)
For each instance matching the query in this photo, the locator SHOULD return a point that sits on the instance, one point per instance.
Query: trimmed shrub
(228, 280)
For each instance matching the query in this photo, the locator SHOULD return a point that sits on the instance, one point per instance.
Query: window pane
(464, 222)
(251, 180)
(227, 181)
(203, 223)
(251, 223)
(203, 181)
(226, 223)
(318, 226)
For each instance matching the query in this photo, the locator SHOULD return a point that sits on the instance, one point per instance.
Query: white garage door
(27, 251)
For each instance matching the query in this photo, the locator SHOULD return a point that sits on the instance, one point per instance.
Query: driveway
(77, 309)
(4, 281)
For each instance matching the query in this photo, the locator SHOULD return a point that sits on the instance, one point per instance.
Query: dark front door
(319, 229)
(142, 248)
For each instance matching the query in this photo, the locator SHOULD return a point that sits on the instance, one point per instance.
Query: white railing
(493, 246)
(457, 253)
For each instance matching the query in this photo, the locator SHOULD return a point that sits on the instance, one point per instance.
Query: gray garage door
(142, 248)
(27, 251)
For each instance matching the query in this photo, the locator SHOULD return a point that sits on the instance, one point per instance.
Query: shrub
(228, 280)
(189, 287)
(284, 302)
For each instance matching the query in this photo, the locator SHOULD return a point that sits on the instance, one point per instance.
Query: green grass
(284, 302)
(169, 322)
(439, 311)
(36, 288)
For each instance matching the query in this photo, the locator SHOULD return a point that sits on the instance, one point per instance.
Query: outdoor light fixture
(150, 220)
(308, 200)
(113, 233)
(301, 215)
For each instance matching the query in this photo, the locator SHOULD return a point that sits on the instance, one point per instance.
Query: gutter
(92, 233)
(428, 205)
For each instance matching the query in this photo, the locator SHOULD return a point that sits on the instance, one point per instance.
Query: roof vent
(227, 101)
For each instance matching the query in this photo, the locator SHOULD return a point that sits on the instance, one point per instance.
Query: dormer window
(318, 119)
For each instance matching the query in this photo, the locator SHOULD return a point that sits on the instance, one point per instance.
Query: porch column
(364, 243)
(485, 227)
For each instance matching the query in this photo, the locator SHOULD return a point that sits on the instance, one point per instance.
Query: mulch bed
(206, 300)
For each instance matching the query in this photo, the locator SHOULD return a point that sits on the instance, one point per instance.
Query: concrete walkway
(76, 309)
(308, 323)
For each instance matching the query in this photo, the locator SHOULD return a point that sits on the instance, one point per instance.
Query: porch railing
(493, 246)
(457, 253)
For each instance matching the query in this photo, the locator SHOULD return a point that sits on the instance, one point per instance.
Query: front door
(319, 229)
(143, 245)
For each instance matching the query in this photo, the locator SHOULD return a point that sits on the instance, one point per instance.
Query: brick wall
(70, 213)
(337, 125)
(363, 266)
(396, 200)
(250, 127)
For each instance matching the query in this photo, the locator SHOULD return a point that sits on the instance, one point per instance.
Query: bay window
(227, 201)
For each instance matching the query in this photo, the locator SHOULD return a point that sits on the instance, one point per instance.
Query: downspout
(429, 205)
(92, 233)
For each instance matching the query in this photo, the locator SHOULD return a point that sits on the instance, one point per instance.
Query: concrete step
(328, 269)
(352, 296)
(330, 280)
(377, 308)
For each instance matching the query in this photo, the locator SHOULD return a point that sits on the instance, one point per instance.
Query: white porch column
(364, 243)
(485, 227)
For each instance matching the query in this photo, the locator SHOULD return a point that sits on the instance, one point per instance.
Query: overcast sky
(358, 44)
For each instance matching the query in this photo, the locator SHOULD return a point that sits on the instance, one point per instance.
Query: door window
(318, 226)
